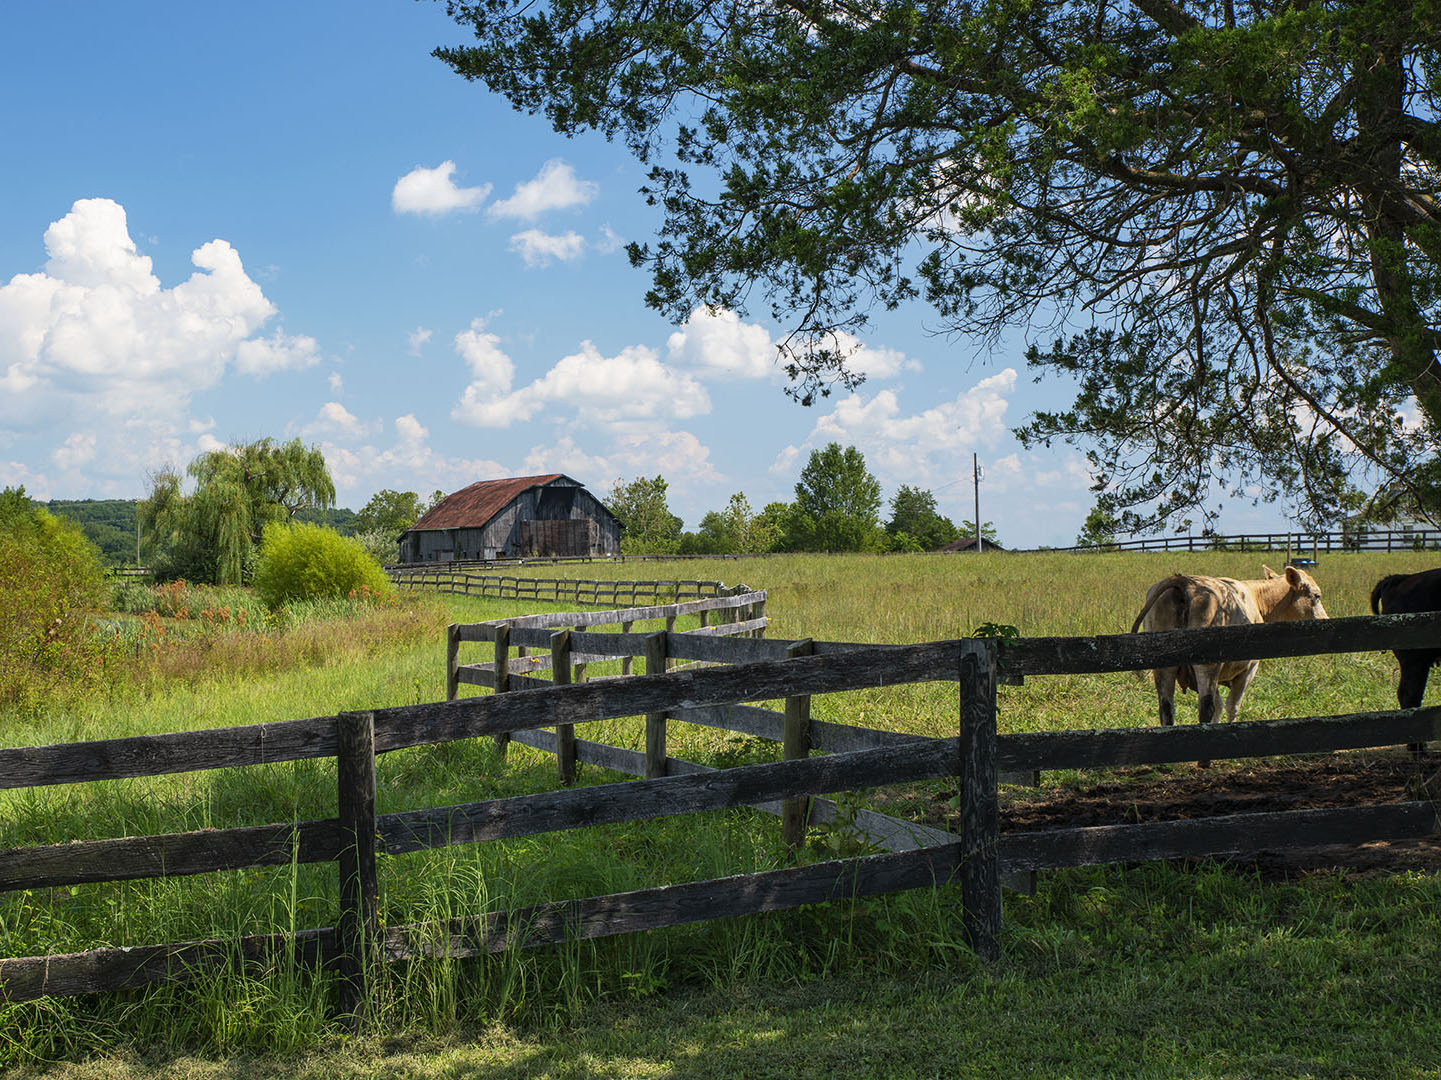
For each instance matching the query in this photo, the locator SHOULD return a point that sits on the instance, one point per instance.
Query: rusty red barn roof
(472, 507)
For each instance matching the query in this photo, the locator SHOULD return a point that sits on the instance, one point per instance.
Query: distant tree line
(837, 507)
(109, 524)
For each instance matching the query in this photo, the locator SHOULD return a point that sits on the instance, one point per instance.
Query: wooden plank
(745, 719)
(595, 618)
(452, 661)
(731, 629)
(168, 855)
(1245, 739)
(664, 796)
(31, 977)
(157, 755)
(674, 905)
(796, 744)
(979, 812)
(603, 755)
(412, 725)
(359, 922)
(564, 733)
(1263, 641)
(1233, 834)
(655, 721)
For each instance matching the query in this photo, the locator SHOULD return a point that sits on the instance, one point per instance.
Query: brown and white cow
(1191, 600)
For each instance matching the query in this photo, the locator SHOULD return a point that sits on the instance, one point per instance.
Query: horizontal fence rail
(1301, 543)
(447, 578)
(755, 669)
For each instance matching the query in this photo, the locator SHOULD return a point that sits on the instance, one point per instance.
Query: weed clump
(300, 562)
(51, 581)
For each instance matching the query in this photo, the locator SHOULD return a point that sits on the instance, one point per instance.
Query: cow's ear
(1293, 576)
(1269, 572)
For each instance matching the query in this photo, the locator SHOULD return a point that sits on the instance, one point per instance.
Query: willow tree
(1219, 217)
(211, 533)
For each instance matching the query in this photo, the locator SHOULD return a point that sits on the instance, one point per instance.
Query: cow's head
(1304, 598)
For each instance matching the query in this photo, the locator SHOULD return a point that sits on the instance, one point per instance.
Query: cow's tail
(1381, 587)
(1175, 586)
(1180, 596)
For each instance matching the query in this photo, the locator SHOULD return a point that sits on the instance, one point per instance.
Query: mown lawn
(1154, 971)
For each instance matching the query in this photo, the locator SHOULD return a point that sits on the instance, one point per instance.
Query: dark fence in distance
(557, 590)
(766, 669)
(1299, 543)
(144, 573)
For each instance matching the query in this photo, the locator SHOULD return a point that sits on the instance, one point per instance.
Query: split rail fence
(746, 670)
(1390, 540)
(613, 593)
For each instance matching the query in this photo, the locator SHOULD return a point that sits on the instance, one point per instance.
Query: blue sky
(219, 222)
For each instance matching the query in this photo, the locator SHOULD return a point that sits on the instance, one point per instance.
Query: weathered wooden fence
(453, 579)
(1301, 543)
(975, 858)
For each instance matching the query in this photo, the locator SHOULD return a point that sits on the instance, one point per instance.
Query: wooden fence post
(980, 815)
(758, 611)
(452, 661)
(795, 812)
(625, 661)
(579, 675)
(502, 676)
(564, 733)
(655, 662)
(358, 927)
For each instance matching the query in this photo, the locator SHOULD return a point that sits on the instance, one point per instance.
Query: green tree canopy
(914, 514)
(390, 512)
(51, 581)
(736, 529)
(988, 530)
(1222, 220)
(1099, 527)
(211, 534)
(649, 526)
(837, 504)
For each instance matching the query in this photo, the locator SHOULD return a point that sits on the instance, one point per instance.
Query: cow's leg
(1236, 690)
(1166, 694)
(1209, 692)
(1415, 667)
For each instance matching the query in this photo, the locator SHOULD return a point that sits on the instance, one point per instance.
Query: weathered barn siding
(553, 516)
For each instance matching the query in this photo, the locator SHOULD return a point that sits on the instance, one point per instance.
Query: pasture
(1256, 976)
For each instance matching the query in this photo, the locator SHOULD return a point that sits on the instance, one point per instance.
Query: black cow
(1401, 594)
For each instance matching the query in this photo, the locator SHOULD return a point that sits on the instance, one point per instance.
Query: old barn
(519, 516)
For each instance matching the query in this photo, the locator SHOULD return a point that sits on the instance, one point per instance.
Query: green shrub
(309, 562)
(51, 580)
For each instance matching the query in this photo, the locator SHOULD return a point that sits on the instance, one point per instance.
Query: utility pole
(976, 480)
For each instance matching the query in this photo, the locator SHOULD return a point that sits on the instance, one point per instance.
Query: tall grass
(396, 656)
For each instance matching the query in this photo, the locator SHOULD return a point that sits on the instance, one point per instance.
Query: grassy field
(1153, 971)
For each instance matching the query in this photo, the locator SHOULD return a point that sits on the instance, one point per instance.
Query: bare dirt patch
(1129, 796)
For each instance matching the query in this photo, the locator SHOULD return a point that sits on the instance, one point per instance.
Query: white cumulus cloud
(336, 421)
(434, 192)
(78, 450)
(555, 187)
(278, 352)
(716, 343)
(417, 340)
(541, 249)
(594, 389)
(926, 447)
(95, 331)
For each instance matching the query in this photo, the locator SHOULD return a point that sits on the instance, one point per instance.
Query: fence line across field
(749, 669)
(463, 582)
(1298, 542)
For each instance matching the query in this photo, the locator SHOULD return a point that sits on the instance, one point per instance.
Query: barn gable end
(550, 515)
